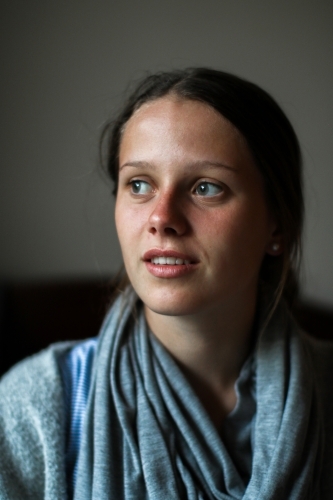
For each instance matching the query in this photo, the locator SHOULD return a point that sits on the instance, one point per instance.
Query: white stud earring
(275, 247)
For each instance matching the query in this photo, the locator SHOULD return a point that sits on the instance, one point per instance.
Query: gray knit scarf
(147, 436)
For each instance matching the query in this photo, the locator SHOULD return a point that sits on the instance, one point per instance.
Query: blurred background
(65, 66)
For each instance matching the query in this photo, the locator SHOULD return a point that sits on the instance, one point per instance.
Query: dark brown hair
(269, 135)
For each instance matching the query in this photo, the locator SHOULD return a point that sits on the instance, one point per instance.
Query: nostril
(166, 230)
(167, 219)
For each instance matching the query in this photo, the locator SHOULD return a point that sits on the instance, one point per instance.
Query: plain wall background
(65, 66)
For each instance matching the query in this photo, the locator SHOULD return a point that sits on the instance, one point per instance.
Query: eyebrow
(195, 164)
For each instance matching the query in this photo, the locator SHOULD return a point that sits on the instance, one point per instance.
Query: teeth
(169, 260)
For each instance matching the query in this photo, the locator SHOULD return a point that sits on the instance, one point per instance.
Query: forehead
(174, 112)
(185, 126)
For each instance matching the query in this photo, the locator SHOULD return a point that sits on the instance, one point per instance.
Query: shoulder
(44, 362)
(32, 430)
(25, 388)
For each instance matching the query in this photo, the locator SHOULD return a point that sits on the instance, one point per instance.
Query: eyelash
(207, 183)
(142, 183)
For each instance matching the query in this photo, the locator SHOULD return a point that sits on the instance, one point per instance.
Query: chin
(170, 309)
(177, 297)
(173, 304)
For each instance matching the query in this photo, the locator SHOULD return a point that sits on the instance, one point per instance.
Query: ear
(275, 245)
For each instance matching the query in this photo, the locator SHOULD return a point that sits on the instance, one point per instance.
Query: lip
(158, 252)
(169, 270)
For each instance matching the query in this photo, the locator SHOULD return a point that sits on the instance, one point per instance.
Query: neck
(210, 348)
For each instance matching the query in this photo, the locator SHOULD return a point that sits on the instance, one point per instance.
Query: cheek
(226, 224)
(240, 230)
(129, 221)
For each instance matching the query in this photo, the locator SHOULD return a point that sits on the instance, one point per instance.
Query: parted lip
(159, 252)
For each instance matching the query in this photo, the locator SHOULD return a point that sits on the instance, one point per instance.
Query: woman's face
(191, 214)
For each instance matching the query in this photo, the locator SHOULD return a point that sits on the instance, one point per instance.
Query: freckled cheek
(228, 234)
(209, 226)
(223, 224)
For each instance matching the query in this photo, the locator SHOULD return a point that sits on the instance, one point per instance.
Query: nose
(168, 216)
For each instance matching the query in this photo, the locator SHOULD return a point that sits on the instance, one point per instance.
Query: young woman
(200, 385)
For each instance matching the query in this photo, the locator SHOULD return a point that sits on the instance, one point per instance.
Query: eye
(140, 187)
(208, 189)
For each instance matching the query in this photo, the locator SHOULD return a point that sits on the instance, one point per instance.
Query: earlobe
(275, 245)
(275, 248)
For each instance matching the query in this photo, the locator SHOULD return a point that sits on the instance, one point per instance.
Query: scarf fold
(147, 436)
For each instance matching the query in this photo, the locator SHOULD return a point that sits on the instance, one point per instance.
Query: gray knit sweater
(32, 425)
(32, 429)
